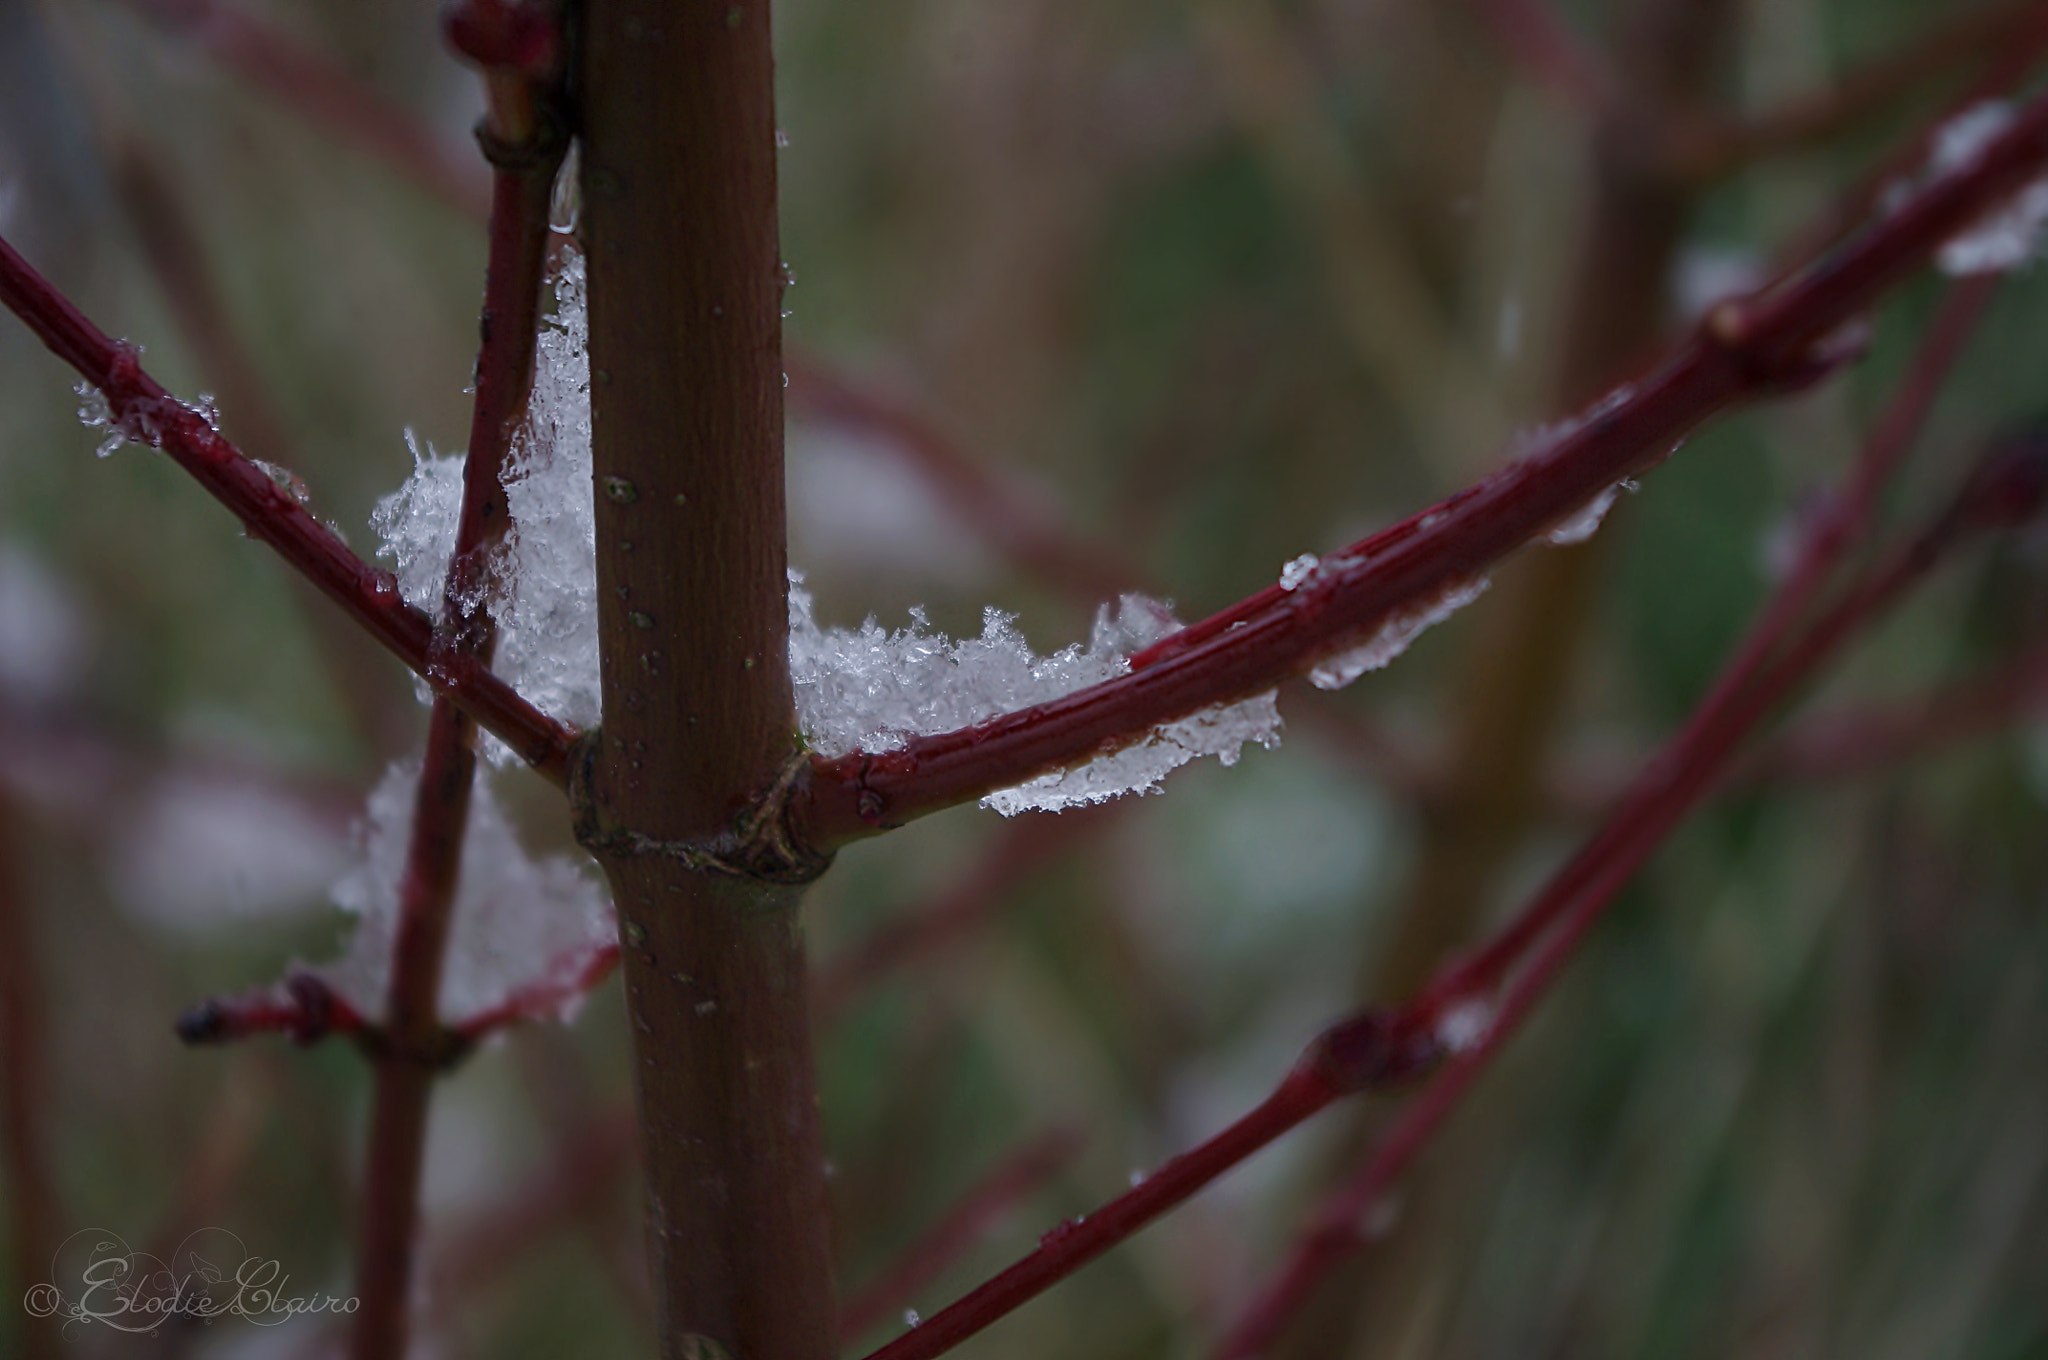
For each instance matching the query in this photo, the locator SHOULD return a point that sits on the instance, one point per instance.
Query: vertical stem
(686, 386)
(405, 1077)
(527, 152)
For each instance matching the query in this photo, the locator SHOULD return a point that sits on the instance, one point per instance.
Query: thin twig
(331, 99)
(145, 411)
(525, 148)
(1785, 337)
(978, 1212)
(1705, 154)
(1382, 1049)
(1669, 788)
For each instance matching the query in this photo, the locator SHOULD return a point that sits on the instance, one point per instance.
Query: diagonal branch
(971, 1219)
(2007, 489)
(144, 411)
(1785, 337)
(1453, 1018)
(331, 99)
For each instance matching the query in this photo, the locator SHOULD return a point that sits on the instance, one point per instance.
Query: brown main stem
(686, 385)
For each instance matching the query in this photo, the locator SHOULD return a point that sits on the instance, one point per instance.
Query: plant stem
(686, 385)
(269, 513)
(965, 1224)
(1669, 787)
(526, 151)
(1381, 1049)
(405, 1073)
(327, 96)
(1783, 338)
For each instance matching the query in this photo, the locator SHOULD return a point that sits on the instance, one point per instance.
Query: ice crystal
(544, 581)
(2005, 239)
(1298, 571)
(96, 413)
(547, 646)
(1465, 1025)
(1580, 525)
(867, 689)
(1960, 141)
(2009, 235)
(518, 923)
(1394, 635)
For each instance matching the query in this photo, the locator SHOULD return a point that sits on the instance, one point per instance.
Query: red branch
(2007, 489)
(1454, 1016)
(954, 909)
(973, 1218)
(328, 97)
(525, 145)
(1836, 745)
(1371, 1051)
(1787, 336)
(144, 411)
(302, 1006)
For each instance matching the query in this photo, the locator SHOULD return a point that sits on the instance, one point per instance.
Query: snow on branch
(1787, 336)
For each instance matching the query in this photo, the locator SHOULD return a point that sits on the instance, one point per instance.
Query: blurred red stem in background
(24, 1094)
(1548, 51)
(2006, 488)
(1958, 41)
(326, 96)
(1027, 533)
(1836, 745)
(954, 908)
(974, 1217)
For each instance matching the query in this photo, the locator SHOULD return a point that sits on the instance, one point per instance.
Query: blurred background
(1090, 296)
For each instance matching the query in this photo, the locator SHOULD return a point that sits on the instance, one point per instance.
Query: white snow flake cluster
(867, 689)
(544, 582)
(516, 920)
(2010, 235)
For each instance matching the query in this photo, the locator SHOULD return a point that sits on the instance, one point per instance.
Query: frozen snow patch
(544, 580)
(1582, 523)
(868, 689)
(517, 921)
(1394, 635)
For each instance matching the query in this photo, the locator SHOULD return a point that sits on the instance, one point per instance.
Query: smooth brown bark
(686, 379)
